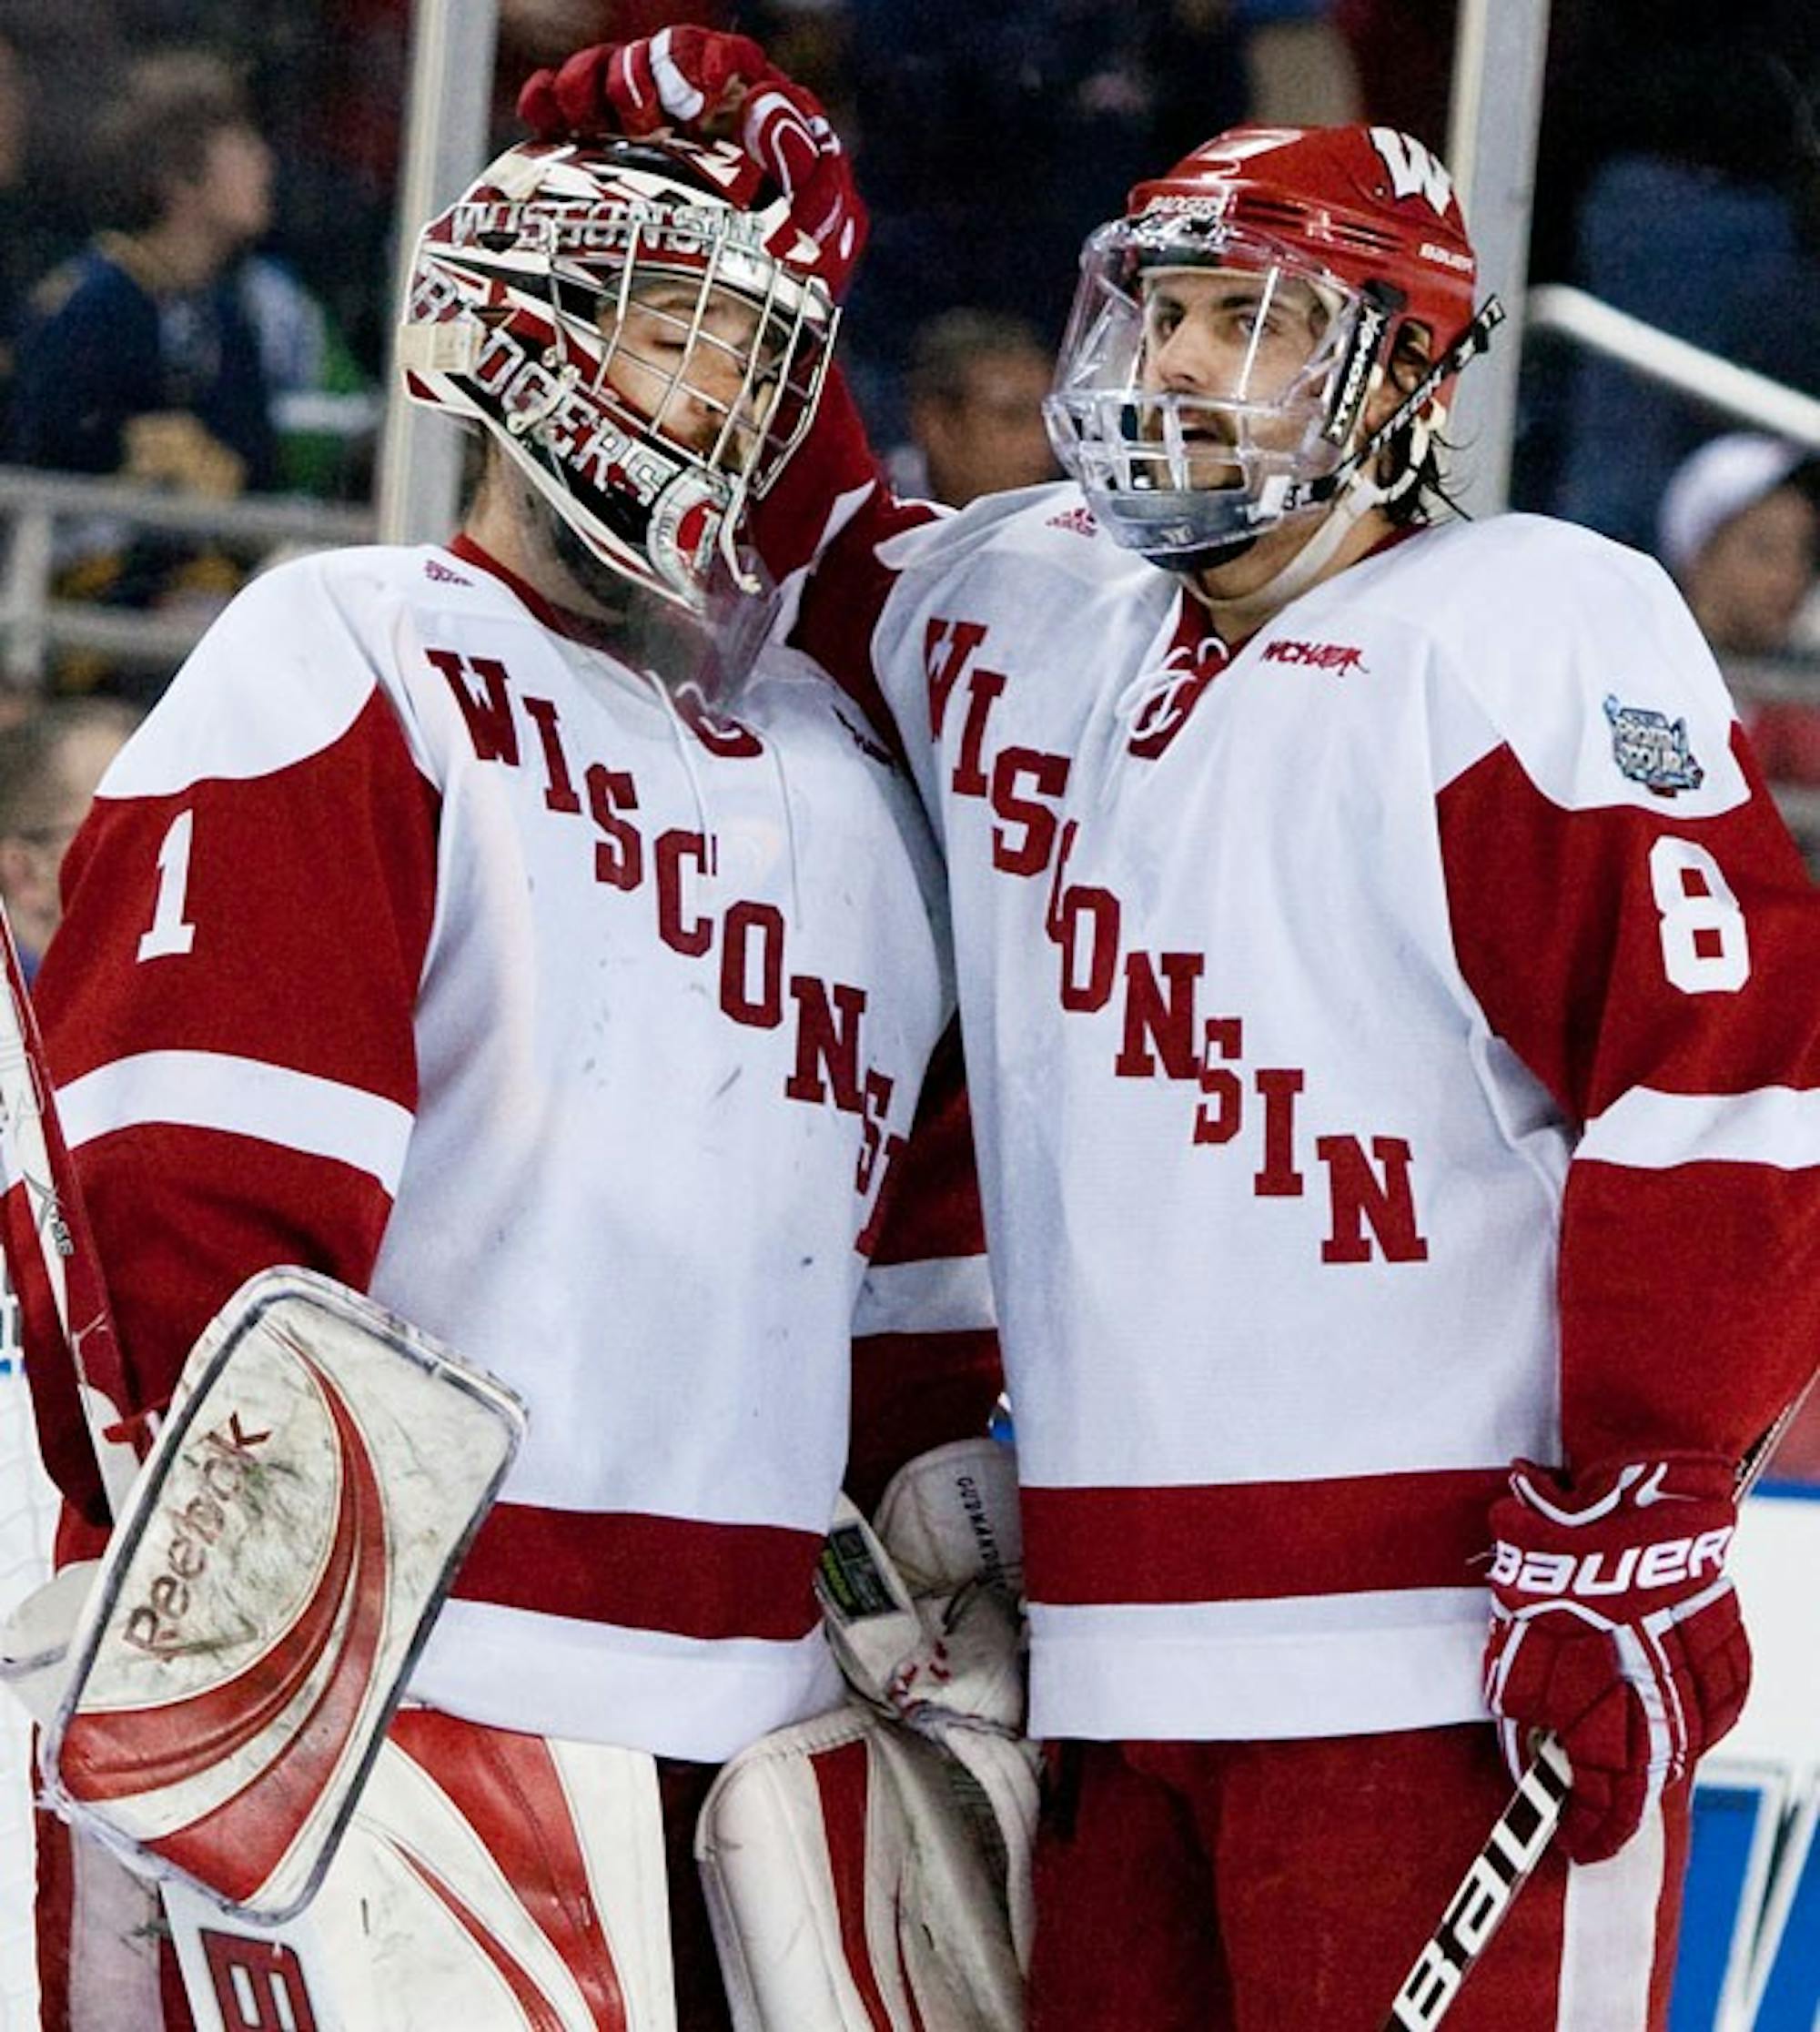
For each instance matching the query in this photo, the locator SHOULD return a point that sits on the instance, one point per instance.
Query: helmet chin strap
(1243, 615)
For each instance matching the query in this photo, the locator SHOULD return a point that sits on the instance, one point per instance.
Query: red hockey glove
(683, 78)
(703, 84)
(1612, 1624)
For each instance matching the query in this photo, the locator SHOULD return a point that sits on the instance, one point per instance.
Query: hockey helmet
(1328, 244)
(638, 325)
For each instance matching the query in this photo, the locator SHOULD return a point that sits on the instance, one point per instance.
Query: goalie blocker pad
(320, 1474)
(855, 1884)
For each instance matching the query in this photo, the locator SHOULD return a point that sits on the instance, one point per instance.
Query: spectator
(977, 384)
(988, 134)
(325, 413)
(329, 81)
(141, 358)
(1685, 181)
(1740, 529)
(50, 762)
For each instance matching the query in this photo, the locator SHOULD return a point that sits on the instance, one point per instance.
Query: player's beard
(712, 652)
(607, 589)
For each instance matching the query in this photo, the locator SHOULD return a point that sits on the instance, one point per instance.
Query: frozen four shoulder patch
(1652, 749)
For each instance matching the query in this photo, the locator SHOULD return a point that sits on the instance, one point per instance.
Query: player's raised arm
(824, 515)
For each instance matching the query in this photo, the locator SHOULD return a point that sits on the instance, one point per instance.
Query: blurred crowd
(196, 269)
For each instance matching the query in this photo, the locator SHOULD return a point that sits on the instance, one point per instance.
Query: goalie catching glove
(703, 84)
(1614, 1627)
(924, 1609)
(923, 1613)
(869, 1870)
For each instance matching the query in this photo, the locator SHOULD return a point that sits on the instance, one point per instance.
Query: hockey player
(481, 925)
(1388, 995)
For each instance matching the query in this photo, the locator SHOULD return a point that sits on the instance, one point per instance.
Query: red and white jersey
(1393, 1050)
(415, 942)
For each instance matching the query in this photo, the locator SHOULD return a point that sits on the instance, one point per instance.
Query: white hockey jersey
(1393, 1051)
(416, 942)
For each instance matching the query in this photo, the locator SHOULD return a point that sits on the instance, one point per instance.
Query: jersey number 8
(1704, 947)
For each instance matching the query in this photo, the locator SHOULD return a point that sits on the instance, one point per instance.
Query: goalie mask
(636, 323)
(1227, 332)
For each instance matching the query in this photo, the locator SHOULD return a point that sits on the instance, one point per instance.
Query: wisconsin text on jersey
(1155, 997)
(744, 943)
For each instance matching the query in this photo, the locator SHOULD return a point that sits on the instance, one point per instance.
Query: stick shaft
(48, 1246)
(1487, 1892)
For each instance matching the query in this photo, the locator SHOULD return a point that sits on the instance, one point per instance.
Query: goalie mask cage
(28, 1513)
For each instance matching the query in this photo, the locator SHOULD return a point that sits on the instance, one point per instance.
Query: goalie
(503, 930)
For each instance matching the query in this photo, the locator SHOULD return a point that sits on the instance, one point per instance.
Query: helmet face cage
(1362, 222)
(1175, 472)
(638, 329)
(734, 340)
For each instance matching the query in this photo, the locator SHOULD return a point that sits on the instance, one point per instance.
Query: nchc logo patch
(1652, 749)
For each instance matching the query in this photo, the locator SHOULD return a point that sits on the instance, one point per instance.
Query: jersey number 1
(170, 932)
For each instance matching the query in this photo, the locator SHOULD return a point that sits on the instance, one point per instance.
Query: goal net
(27, 1512)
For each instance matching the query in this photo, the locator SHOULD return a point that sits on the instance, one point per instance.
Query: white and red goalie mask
(1292, 261)
(638, 325)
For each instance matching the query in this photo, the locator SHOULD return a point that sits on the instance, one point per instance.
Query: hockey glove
(702, 84)
(686, 78)
(1614, 1626)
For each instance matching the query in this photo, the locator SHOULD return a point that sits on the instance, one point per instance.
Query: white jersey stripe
(675, 1696)
(211, 1090)
(1650, 1130)
(1259, 1671)
(1608, 1940)
(949, 1295)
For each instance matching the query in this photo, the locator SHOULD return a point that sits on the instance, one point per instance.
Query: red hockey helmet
(638, 325)
(1344, 235)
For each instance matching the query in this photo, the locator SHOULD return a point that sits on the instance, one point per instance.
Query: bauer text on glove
(1614, 1626)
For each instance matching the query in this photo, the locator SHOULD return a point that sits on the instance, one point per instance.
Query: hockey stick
(1476, 1910)
(1518, 1838)
(48, 1242)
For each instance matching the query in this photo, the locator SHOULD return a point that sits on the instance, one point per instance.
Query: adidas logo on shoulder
(1078, 519)
(434, 568)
